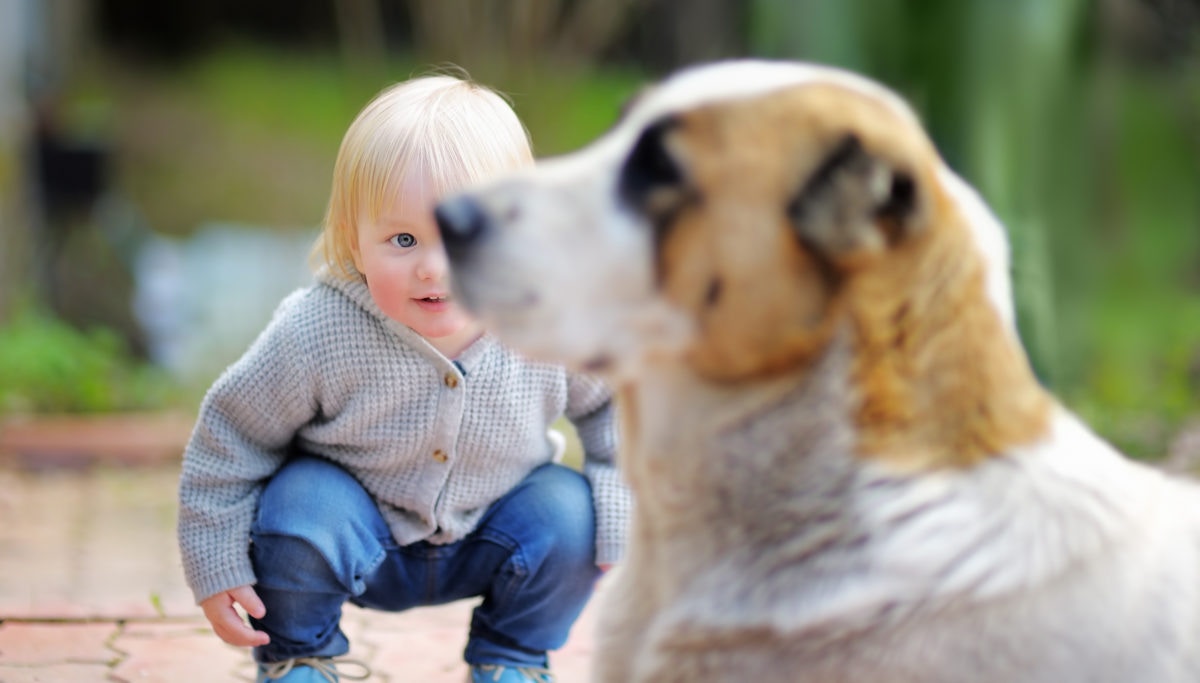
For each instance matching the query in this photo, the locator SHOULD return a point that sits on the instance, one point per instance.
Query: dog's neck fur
(789, 448)
(793, 429)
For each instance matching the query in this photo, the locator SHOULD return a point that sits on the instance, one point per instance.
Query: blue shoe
(499, 673)
(310, 670)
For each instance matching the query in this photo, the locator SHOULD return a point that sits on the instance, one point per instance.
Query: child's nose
(434, 265)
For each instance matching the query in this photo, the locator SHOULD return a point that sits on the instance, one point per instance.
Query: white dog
(844, 469)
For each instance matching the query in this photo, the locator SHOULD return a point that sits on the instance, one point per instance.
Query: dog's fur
(844, 469)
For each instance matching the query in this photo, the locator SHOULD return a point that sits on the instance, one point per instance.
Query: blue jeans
(319, 541)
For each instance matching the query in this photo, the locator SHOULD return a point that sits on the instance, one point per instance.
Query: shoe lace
(326, 666)
(535, 674)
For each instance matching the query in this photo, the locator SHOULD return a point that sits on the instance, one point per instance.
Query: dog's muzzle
(463, 223)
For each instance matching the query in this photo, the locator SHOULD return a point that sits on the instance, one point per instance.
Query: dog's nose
(461, 221)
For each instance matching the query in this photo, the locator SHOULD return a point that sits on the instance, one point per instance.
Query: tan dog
(844, 469)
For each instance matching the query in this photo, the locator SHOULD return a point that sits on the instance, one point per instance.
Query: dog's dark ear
(652, 179)
(854, 202)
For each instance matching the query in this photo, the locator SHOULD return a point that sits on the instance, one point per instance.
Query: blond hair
(448, 131)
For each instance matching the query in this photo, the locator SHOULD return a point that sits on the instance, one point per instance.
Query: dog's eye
(650, 169)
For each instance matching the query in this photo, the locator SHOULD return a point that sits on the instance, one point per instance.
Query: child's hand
(226, 621)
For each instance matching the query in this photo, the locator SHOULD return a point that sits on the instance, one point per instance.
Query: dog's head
(738, 216)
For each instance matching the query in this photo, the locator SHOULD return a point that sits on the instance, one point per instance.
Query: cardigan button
(440, 455)
(451, 380)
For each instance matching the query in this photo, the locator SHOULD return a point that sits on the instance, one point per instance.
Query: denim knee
(295, 565)
(550, 516)
(315, 509)
(304, 484)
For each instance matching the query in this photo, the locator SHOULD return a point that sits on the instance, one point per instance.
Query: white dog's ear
(652, 179)
(854, 203)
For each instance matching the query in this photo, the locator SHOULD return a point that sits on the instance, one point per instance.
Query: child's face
(406, 270)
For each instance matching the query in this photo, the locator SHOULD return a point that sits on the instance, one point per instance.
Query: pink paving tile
(172, 652)
(177, 605)
(90, 608)
(166, 628)
(426, 644)
(456, 615)
(17, 607)
(98, 544)
(423, 644)
(26, 644)
(54, 673)
(431, 656)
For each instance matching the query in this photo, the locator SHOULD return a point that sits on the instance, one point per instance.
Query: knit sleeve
(590, 408)
(246, 422)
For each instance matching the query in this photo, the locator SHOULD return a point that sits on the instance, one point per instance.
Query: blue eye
(403, 240)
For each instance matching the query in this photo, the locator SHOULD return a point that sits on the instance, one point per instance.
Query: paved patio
(91, 587)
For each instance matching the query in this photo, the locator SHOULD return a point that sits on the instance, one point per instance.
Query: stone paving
(91, 587)
(91, 590)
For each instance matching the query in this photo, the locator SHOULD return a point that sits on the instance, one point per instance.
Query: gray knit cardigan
(433, 444)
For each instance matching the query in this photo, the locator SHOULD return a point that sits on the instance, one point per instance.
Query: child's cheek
(390, 297)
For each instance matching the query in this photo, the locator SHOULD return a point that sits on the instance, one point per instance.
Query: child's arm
(590, 409)
(246, 425)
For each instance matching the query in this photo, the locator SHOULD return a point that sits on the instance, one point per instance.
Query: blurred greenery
(1087, 147)
(49, 366)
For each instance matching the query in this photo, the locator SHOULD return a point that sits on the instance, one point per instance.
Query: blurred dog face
(725, 218)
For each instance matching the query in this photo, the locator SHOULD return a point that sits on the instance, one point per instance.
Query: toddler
(375, 446)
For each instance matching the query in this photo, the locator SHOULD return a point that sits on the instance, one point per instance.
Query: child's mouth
(434, 304)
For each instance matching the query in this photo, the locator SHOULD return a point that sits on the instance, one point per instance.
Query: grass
(49, 366)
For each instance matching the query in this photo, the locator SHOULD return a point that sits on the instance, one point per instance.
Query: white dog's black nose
(461, 221)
